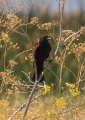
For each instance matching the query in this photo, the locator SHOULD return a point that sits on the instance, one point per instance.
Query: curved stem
(4, 56)
(60, 35)
(79, 68)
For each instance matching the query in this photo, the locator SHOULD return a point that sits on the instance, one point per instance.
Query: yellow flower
(51, 114)
(30, 114)
(45, 89)
(3, 104)
(74, 92)
(1, 117)
(19, 115)
(73, 89)
(60, 102)
(71, 86)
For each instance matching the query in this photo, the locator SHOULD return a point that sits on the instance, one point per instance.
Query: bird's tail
(39, 65)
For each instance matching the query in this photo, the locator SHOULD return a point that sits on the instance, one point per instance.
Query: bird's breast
(42, 52)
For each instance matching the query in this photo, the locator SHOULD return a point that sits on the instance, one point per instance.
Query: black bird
(42, 50)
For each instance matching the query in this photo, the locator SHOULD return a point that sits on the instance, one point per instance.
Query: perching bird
(42, 50)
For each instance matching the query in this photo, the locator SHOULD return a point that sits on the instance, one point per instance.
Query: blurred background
(41, 7)
(46, 11)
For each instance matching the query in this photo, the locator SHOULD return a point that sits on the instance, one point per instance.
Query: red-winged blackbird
(42, 50)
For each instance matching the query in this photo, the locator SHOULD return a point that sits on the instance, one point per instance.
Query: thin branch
(28, 76)
(29, 99)
(63, 112)
(60, 35)
(20, 54)
(73, 35)
(23, 106)
(37, 117)
(18, 32)
(8, 6)
(68, 110)
(64, 1)
(19, 109)
(54, 74)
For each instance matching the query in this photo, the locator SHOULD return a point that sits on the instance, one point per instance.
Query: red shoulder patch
(37, 45)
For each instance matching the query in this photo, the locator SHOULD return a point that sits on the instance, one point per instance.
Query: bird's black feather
(41, 54)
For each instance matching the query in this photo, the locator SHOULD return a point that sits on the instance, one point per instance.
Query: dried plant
(68, 103)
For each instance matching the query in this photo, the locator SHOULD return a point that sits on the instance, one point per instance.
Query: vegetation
(61, 95)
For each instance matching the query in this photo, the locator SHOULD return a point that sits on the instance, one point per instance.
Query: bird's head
(44, 39)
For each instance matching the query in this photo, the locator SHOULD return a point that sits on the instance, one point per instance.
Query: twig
(29, 99)
(8, 6)
(68, 110)
(28, 76)
(61, 9)
(63, 112)
(10, 118)
(23, 106)
(37, 117)
(73, 35)
(19, 55)
(64, 1)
